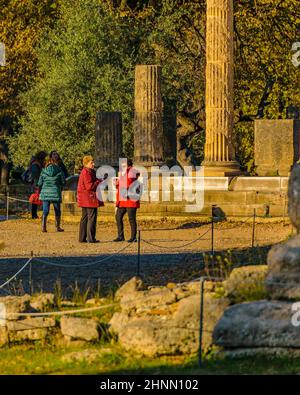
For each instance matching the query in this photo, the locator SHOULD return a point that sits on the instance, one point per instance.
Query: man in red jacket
(128, 199)
(87, 200)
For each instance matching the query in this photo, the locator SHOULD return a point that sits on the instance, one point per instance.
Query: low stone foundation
(239, 198)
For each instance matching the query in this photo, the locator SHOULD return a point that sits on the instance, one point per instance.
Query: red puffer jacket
(86, 189)
(123, 184)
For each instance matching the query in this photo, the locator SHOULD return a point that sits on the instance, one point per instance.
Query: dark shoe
(132, 240)
(35, 217)
(57, 224)
(119, 239)
(82, 241)
(94, 241)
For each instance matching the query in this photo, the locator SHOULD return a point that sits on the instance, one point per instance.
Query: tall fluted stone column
(108, 138)
(148, 118)
(219, 153)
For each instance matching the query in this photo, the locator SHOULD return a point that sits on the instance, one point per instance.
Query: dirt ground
(170, 252)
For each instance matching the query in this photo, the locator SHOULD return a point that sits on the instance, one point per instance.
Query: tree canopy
(86, 61)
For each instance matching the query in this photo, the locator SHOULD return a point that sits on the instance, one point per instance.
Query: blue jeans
(46, 208)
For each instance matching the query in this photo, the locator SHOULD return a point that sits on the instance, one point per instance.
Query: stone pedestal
(276, 146)
(219, 152)
(108, 138)
(148, 118)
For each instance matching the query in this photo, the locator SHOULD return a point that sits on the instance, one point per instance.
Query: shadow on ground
(105, 273)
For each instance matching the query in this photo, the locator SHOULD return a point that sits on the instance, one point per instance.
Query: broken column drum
(108, 138)
(148, 119)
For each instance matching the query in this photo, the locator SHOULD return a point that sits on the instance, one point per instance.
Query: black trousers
(88, 222)
(132, 220)
(34, 211)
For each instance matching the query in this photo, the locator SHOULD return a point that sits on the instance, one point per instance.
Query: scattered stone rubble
(165, 320)
(151, 321)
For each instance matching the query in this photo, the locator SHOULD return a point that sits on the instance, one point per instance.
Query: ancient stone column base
(221, 169)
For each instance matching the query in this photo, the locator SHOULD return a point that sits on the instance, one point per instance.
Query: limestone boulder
(257, 324)
(188, 315)
(30, 329)
(43, 302)
(246, 283)
(130, 287)
(14, 305)
(145, 301)
(283, 279)
(170, 334)
(154, 336)
(80, 328)
(28, 335)
(117, 322)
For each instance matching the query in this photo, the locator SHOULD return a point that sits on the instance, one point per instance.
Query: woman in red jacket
(128, 200)
(87, 200)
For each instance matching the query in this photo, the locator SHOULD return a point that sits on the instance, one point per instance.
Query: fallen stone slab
(31, 323)
(79, 328)
(28, 335)
(257, 324)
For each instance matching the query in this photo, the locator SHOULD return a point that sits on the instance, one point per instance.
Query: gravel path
(164, 260)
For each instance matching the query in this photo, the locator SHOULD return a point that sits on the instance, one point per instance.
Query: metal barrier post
(30, 275)
(284, 208)
(62, 214)
(7, 205)
(253, 228)
(212, 230)
(200, 360)
(139, 254)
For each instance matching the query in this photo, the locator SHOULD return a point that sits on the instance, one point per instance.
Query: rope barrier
(84, 264)
(172, 247)
(18, 200)
(16, 274)
(65, 312)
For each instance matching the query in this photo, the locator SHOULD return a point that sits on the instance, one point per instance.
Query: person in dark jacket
(87, 200)
(55, 156)
(36, 165)
(125, 202)
(51, 183)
